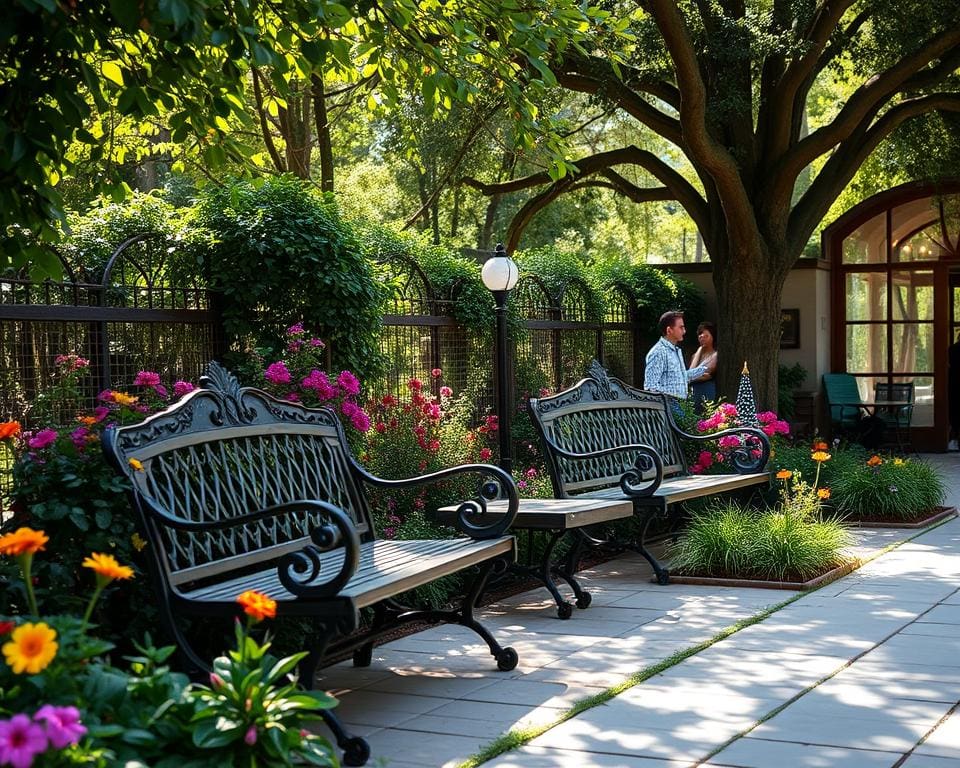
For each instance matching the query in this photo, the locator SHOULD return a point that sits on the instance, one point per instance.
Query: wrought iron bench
(236, 490)
(604, 439)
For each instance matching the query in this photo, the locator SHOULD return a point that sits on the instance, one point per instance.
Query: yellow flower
(823, 493)
(122, 398)
(874, 461)
(139, 543)
(784, 474)
(107, 567)
(23, 541)
(136, 464)
(898, 462)
(820, 456)
(31, 648)
(257, 605)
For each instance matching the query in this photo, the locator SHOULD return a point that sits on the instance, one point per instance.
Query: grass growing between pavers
(516, 738)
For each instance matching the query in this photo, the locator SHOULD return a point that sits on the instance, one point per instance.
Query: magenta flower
(147, 379)
(277, 373)
(100, 413)
(317, 343)
(71, 362)
(705, 459)
(766, 417)
(79, 437)
(532, 472)
(320, 384)
(730, 441)
(360, 420)
(348, 383)
(42, 439)
(294, 345)
(446, 392)
(251, 736)
(728, 409)
(296, 330)
(63, 725)
(21, 741)
(181, 388)
(389, 532)
(293, 397)
(436, 373)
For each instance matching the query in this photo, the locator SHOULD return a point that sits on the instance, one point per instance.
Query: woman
(705, 388)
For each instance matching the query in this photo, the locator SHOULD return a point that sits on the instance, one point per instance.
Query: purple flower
(181, 388)
(296, 330)
(79, 437)
(21, 741)
(251, 736)
(317, 343)
(62, 724)
(101, 412)
(360, 420)
(147, 379)
(294, 345)
(348, 383)
(389, 532)
(42, 439)
(319, 383)
(277, 373)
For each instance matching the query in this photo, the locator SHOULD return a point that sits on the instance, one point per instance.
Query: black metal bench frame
(607, 440)
(237, 490)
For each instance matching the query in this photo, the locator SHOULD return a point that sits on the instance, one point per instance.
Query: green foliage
(281, 255)
(562, 270)
(893, 490)
(253, 713)
(789, 380)
(786, 543)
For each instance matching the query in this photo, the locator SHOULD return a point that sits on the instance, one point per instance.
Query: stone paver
(883, 643)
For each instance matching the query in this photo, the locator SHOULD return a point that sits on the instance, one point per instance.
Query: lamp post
(500, 275)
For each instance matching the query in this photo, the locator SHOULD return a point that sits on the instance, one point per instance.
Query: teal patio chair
(844, 402)
(896, 417)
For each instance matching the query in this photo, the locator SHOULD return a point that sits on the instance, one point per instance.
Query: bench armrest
(741, 458)
(470, 513)
(635, 482)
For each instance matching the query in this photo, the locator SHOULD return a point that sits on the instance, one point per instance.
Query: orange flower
(9, 429)
(107, 567)
(820, 456)
(23, 541)
(122, 398)
(87, 420)
(31, 648)
(257, 605)
(136, 464)
(874, 461)
(820, 446)
(823, 493)
(784, 474)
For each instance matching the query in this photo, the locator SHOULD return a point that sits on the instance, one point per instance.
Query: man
(666, 371)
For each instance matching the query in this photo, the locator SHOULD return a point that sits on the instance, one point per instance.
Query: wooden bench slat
(679, 489)
(554, 514)
(386, 569)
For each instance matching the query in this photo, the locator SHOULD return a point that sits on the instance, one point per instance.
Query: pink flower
(63, 725)
(277, 373)
(42, 439)
(360, 420)
(705, 459)
(521, 484)
(319, 383)
(79, 437)
(348, 383)
(436, 373)
(432, 411)
(445, 392)
(544, 392)
(293, 397)
(294, 345)
(485, 454)
(250, 737)
(433, 446)
(161, 390)
(146, 379)
(71, 362)
(492, 423)
(216, 681)
(728, 409)
(766, 417)
(181, 388)
(415, 385)
(317, 343)
(532, 472)
(696, 469)
(21, 741)
(781, 427)
(296, 330)
(730, 441)
(389, 532)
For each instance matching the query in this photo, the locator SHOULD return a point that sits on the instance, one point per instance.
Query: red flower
(436, 373)
(485, 454)
(6, 627)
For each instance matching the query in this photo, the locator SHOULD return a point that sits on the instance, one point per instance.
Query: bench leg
(567, 571)
(356, 751)
(545, 573)
(662, 574)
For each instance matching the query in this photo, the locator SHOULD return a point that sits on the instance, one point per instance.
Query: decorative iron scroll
(299, 571)
(218, 379)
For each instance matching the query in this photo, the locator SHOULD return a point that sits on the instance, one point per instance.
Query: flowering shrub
(298, 377)
(414, 434)
(888, 489)
(726, 417)
(533, 483)
(62, 482)
(62, 703)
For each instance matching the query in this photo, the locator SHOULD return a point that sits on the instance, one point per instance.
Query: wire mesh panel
(578, 337)
(536, 352)
(619, 335)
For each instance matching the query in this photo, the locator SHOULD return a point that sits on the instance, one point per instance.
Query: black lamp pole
(503, 380)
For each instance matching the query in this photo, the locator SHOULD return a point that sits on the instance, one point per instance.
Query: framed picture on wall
(790, 329)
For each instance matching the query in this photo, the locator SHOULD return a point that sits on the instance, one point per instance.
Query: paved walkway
(865, 672)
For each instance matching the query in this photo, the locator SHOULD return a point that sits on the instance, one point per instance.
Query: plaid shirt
(666, 371)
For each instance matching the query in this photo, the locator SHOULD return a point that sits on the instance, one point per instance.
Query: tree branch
(264, 126)
(851, 154)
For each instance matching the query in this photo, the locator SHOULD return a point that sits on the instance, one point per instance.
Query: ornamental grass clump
(888, 490)
(797, 540)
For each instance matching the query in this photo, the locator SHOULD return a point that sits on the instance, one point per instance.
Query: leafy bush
(280, 253)
(893, 489)
(63, 703)
(62, 482)
(790, 379)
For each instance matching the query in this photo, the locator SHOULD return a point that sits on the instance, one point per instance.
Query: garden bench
(604, 439)
(236, 490)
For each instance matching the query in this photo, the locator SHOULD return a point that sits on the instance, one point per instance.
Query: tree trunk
(748, 328)
(324, 143)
